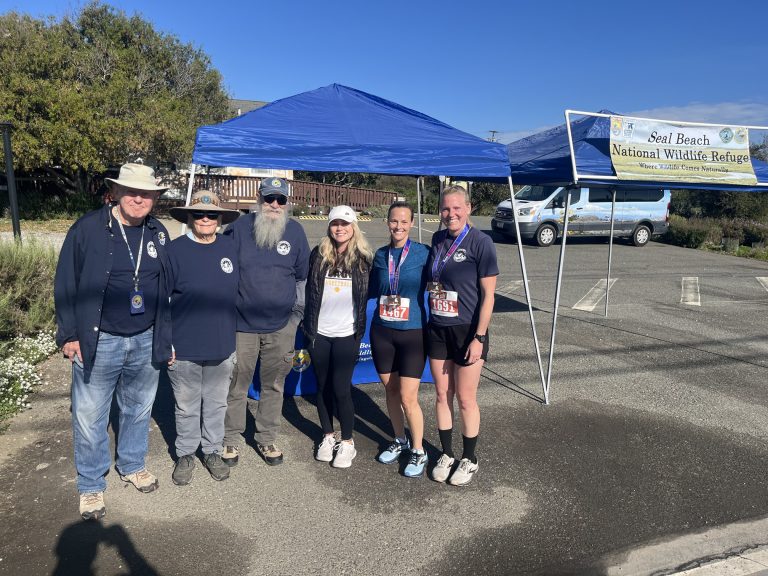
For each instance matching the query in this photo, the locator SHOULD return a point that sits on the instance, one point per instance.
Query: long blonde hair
(358, 252)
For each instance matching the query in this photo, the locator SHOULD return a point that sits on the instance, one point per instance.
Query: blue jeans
(122, 368)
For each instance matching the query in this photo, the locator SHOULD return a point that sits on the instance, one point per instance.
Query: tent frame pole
(610, 253)
(418, 202)
(189, 194)
(527, 290)
(560, 266)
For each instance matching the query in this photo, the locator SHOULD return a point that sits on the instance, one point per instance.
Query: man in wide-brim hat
(114, 324)
(203, 297)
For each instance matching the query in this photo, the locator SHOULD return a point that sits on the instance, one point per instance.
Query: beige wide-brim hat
(137, 176)
(204, 201)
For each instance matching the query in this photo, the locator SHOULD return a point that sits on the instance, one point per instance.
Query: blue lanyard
(394, 273)
(438, 264)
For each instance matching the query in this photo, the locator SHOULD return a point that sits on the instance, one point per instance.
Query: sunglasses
(209, 215)
(282, 200)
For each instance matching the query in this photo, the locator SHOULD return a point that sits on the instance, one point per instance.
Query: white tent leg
(610, 254)
(527, 290)
(557, 295)
(418, 202)
(189, 194)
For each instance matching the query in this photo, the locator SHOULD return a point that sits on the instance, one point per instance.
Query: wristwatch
(481, 338)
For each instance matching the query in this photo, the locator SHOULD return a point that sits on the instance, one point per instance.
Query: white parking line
(690, 291)
(763, 281)
(510, 287)
(593, 297)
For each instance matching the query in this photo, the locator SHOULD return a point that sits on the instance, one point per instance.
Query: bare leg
(394, 404)
(467, 381)
(409, 395)
(445, 389)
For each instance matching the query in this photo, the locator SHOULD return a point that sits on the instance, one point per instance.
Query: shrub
(26, 288)
(693, 233)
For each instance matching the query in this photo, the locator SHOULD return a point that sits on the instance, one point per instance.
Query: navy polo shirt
(474, 259)
(412, 283)
(268, 276)
(116, 317)
(203, 298)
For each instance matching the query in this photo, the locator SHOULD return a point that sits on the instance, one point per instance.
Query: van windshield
(535, 193)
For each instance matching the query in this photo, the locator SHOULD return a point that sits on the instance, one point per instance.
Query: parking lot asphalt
(650, 458)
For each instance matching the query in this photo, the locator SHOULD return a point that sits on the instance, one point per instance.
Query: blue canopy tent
(577, 154)
(337, 128)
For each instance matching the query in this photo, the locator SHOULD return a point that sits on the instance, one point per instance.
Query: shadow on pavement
(78, 548)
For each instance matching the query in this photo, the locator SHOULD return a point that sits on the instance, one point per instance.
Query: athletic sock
(469, 448)
(446, 441)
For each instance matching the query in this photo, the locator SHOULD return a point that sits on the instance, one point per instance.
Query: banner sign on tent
(643, 149)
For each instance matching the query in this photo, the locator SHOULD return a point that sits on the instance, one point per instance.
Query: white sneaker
(325, 448)
(464, 473)
(345, 452)
(442, 469)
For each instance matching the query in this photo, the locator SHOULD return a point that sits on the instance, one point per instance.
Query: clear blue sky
(506, 65)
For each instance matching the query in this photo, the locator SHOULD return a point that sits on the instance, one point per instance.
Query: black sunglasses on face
(201, 215)
(282, 200)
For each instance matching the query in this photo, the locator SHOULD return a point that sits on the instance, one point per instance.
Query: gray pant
(276, 353)
(195, 383)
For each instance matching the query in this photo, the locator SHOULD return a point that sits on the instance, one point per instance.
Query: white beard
(267, 230)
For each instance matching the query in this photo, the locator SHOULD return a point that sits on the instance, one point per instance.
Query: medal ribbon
(130, 252)
(438, 264)
(394, 272)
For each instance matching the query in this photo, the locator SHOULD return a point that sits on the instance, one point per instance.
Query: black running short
(400, 351)
(451, 342)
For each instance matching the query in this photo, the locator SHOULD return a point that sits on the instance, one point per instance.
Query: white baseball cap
(342, 213)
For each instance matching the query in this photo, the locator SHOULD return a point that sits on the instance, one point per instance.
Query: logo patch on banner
(226, 265)
(301, 361)
(283, 247)
(161, 238)
(460, 255)
(151, 250)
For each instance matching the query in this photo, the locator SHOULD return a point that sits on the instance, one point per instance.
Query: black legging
(334, 361)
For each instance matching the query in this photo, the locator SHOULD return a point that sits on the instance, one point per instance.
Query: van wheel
(546, 235)
(641, 235)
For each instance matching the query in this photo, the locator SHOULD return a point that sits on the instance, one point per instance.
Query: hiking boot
(182, 472)
(230, 455)
(92, 506)
(271, 453)
(464, 473)
(325, 448)
(345, 452)
(416, 464)
(216, 466)
(393, 451)
(442, 469)
(144, 480)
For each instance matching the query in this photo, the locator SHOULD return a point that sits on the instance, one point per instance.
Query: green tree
(99, 89)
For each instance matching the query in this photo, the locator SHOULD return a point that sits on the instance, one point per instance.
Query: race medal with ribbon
(444, 302)
(393, 300)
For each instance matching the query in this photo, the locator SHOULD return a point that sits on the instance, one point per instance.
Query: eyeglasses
(209, 215)
(282, 200)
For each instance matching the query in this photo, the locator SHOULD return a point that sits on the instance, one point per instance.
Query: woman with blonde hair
(334, 324)
(462, 272)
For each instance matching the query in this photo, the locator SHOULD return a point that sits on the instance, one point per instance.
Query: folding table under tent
(578, 153)
(340, 129)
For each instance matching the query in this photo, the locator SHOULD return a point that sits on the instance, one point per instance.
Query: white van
(640, 213)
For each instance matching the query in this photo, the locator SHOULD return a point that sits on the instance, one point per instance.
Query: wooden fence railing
(240, 192)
